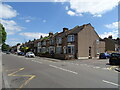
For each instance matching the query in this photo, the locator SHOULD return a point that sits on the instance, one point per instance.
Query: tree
(5, 47)
(34, 39)
(29, 41)
(18, 44)
(110, 37)
(3, 34)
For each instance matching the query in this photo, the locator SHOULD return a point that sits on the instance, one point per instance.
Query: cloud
(32, 35)
(114, 34)
(66, 8)
(114, 25)
(60, 0)
(7, 12)
(27, 21)
(44, 21)
(11, 26)
(71, 13)
(27, 18)
(94, 7)
(115, 30)
(12, 43)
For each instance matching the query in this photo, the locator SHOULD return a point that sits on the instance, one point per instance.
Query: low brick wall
(59, 56)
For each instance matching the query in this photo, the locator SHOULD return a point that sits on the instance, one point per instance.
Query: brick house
(111, 45)
(81, 42)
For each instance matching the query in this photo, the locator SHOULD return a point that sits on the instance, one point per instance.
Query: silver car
(30, 54)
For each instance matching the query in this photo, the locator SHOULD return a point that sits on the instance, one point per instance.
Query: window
(59, 40)
(51, 49)
(58, 49)
(39, 49)
(51, 42)
(70, 38)
(43, 50)
(70, 49)
(39, 44)
(44, 42)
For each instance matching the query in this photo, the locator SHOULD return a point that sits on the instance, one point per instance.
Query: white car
(30, 54)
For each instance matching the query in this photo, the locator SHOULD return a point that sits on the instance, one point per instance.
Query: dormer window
(70, 38)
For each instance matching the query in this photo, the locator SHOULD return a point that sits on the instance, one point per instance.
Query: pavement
(21, 72)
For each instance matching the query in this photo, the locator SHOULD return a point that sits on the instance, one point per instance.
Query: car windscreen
(115, 55)
(102, 54)
(30, 53)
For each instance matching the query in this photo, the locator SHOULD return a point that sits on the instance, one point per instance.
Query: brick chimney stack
(50, 34)
(65, 29)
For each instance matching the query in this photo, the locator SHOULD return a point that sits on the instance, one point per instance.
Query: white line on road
(110, 83)
(63, 69)
(77, 64)
(36, 61)
(96, 67)
(105, 68)
(83, 64)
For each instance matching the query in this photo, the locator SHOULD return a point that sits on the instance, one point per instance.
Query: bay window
(58, 49)
(70, 49)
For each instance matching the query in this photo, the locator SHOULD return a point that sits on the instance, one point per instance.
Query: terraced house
(81, 42)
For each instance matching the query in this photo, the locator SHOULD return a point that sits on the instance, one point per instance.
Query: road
(21, 72)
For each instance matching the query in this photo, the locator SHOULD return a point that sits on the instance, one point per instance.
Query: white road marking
(76, 64)
(38, 62)
(84, 64)
(105, 68)
(110, 83)
(96, 67)
(63, 69)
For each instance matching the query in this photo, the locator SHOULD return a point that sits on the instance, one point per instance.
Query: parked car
(21, 53)
(104, 55)
(114, 59)
(30, 54)
(7, 52)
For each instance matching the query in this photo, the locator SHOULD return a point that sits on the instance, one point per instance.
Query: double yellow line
(26, 82)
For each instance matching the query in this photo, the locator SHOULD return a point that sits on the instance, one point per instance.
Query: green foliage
(46, 37)
(5, 47)
(3, 34)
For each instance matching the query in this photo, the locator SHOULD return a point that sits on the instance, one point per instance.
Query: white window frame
(51, 48)
(59, 49)
(44, 42)
(43, 49)
(51, 41)
(59, 40)
(39, 44)
(72, 49)
(71, 38)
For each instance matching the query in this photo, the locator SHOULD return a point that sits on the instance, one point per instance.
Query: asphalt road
(21, 72)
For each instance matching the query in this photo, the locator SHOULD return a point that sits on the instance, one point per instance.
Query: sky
(25, 21)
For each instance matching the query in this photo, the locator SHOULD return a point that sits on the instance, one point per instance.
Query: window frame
(72, 49)
(71, 38)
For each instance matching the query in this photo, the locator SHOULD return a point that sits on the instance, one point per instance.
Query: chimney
(65, 29)
(50, 33)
